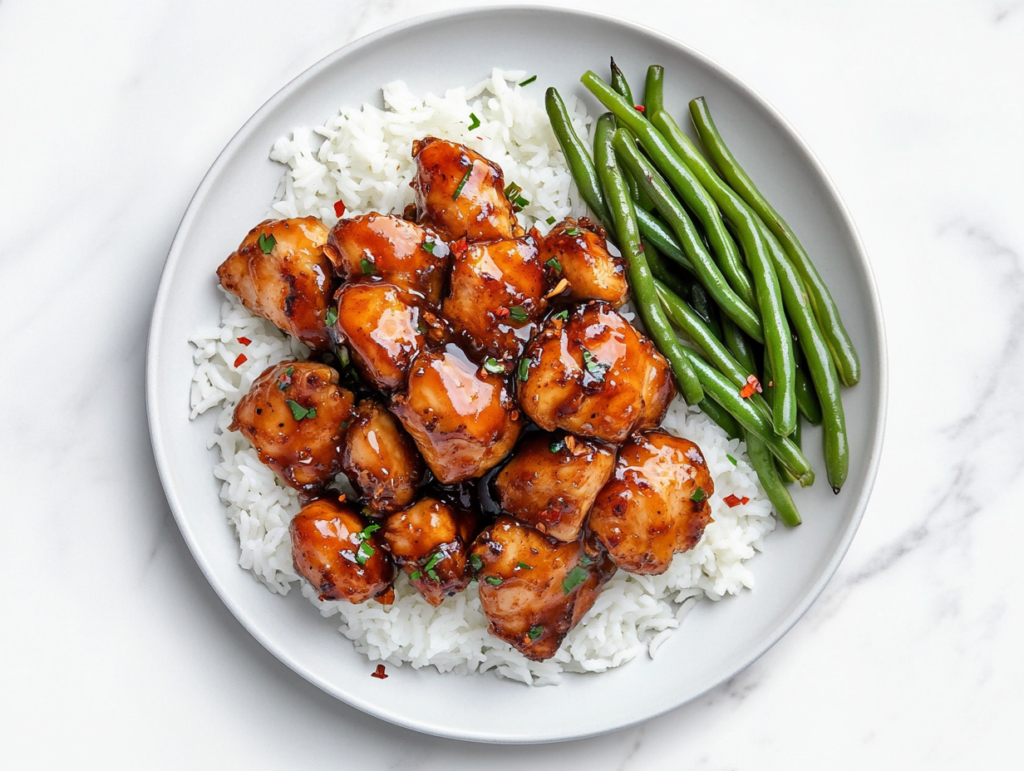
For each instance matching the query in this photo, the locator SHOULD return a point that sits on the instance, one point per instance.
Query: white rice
(363, 158)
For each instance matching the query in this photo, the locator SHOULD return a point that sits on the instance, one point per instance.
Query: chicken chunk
(552, 481)
(577, 251)
(534, 589)
(590, 375)
(659, 388)
(380, 459)
(496, 297)
(295, 416)
(336, 550)
(400, 252)
(431, 540)
(656, 503)
(383, 328)
(280, 273)
(460, 193)
(463, 419)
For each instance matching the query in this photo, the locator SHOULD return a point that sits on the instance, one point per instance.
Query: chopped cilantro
(535, 632)
(561, 316)
(576, 577)
(298, 411)
(596, 368)
(518, 313)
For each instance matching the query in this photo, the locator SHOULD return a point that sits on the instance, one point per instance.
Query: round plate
(718, 639)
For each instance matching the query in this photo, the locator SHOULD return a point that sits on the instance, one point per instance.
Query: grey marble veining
(115, 648)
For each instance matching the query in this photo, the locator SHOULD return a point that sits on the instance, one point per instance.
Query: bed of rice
(362, 157)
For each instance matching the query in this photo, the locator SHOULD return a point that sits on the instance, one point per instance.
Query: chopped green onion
(521, 202)
(368, 267)
(475, 123)
(493, 366)
(524, 566)
(298, 411)
(556, 446)
(462, 182)
(518, 313)
(369, 530)
(550, 220)
(572, 231)
(698, 495)
(528, 81)
(416, 575)
(732, 460)
(554, 264)
(475, 561)
(535, 632)
(331, 316)
(434, 559)
(267, 243)
(586, 561)
(561, 316)
(596, 368)
(576, 577)
(364, 552)
(493, 580)
(524, 369)
(433, 576)
(428, 247)
(512, 191)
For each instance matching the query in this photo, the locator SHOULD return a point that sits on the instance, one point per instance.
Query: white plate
(433, 54)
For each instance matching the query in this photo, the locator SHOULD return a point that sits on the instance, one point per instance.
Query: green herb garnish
(475, 561)
(524, 369)
(535, 632)
(520, 202)
(586, 561)
(556, 446)
(596, 368)
(576, 577)
(493, 366)
(572, 231)
(364, 552)
(298, 411)
(554, 264)
(732, 460)
(550, 220)
(512, 191)
(518, 313)
(561, 316)
(267, 243)
(428, 247)
(524, 566)
(368, 267)
(528, 81)
(493, 580)
(698, 495)
(462, 183)
(286, 380)
(416, 575)
(331, 316)
(475, 123)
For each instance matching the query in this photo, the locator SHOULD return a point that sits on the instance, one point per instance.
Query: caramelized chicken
(383, 328)
(463, 420)
(380, 459)
(460, 193)
(496, 296)
(280, 273)
(533, 589)
(295, 416)
(402, 253)
(577, 251)
(552, 481)
(655, 504)
(335, 549)
(591, 374)
(431, 540)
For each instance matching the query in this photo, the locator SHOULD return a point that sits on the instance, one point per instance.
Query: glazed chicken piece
(594, 375)
(552, 481)
(534, 589)
(337, 551)
(463, 419)
(460, 193)
(496, 297)
(280, 273)
(383, 327)
(431, 540)
(380, 459)
(295, 415)
(655, 504)
(402, 253)
(577, 251)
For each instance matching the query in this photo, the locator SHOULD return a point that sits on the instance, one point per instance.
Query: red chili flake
(732, 501)
(379, 673)
(752, 385)
(460, 246)
(640, 108)
(240, 360)
(339, 209)
(501, 313)
(244, 340)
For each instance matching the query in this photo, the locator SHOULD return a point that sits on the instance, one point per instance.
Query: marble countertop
(114, 648)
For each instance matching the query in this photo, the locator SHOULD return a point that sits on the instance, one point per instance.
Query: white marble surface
(113, 647)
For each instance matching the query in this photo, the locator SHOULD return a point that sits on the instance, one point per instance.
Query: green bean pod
(683, 181)
(740, 347)
(640, 199)
(807, 403)
(840, 345)
(655, 231)
(764, 464)
(654, 91)
(705, 308)
(665, 202)
(645, 296)
(725, 421)
(778, 338)
(718, 387)
(660, 270)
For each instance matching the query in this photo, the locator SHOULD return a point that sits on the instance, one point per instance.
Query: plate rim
(153, 356)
